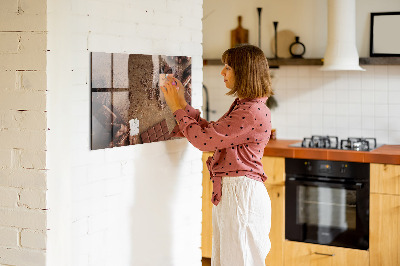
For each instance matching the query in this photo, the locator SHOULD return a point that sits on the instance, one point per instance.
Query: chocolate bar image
(155, 133)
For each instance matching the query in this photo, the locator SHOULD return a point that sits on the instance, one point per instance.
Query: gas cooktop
(332, 142)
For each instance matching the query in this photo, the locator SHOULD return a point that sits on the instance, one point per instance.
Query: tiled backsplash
(342, 103)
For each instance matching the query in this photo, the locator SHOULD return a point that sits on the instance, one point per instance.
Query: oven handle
(357, 185)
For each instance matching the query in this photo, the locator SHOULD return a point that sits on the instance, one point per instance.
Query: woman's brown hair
(250, 66)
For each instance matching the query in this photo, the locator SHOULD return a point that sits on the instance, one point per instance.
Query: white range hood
(341, 51)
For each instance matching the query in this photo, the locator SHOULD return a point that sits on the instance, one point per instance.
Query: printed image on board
(128, 106)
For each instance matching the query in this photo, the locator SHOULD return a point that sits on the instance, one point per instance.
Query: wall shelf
(380, 61)
(274, 63)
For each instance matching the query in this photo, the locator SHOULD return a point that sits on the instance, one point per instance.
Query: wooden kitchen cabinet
(385, 178)
(384, 236)
(274, 168)
(277, 233)
(305, 254)
(385, 215)
(206, 226)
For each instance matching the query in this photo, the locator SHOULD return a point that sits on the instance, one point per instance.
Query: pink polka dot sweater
(238, 139)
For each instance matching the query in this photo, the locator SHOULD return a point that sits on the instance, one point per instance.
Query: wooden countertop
(389, 154)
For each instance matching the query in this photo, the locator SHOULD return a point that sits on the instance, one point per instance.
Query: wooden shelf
(380, 61)
(273, 63)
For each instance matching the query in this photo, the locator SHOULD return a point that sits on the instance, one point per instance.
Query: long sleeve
(193, 113)
(231, 130)
(238, 140)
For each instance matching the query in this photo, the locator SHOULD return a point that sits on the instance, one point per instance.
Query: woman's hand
(180, 88)
(174, 94)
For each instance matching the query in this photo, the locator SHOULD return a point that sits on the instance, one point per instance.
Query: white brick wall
(23, 132)
(136, 205)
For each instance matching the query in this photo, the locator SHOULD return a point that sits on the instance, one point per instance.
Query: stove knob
(343, 168)
(308, 166)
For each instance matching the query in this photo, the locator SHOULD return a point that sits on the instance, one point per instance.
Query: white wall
(135, 205)
(311, 102)
(306, 19)
(23, 133)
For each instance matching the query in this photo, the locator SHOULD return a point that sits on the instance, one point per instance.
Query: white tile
(394, 110)
(342, 109)
(355, 109)
(317, 107)
(367, 122)
(316, 82)
(394, 123)
(381, 110)
(304, 109)
(394, 97)
(316, 72)
(367, 96)
(293, 120)
(355, 96)
(367, 133)
(342, 81)
(355, 122)
(381, 84)
(380, 71)
(279, 72)
(367, 83)
(329, 122)
(304, 72)
(381, 123)
(303, 82)
(317, 131)
(291, 71)
(381, 97)
(292, 83)
(394, 82)
(317, 121)
(342, 122)
(367, 110)
(342, 133)
(331, 131)
(329, 94)
(342, 96)
(354, 80)
(394, 137)
(394, 70)
(329, 109)
(382, 136)
(328, 74)
(317, 95)
(355, 132)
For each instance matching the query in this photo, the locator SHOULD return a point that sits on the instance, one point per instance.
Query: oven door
(327, 213)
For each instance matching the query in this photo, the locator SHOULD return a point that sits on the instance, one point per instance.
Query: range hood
(341, 51)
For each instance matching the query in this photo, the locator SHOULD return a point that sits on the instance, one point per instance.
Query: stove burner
(332, 142)
(328, 142)
(358, 144)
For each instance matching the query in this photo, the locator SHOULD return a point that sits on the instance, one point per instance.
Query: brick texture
(23, 125)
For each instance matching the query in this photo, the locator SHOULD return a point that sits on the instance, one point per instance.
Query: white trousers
(241, 223)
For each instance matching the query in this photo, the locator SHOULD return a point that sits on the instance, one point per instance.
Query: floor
(206, 261)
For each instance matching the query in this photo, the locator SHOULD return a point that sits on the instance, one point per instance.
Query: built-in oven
(327, 202)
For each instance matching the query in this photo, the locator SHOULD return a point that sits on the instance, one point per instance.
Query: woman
(242, 208)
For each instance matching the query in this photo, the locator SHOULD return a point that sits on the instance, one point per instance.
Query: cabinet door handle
(324, 254)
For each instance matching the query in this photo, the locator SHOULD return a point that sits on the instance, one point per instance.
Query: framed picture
(385, 36)
(128, 106)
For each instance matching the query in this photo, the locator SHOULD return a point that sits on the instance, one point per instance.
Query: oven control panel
(337, 169)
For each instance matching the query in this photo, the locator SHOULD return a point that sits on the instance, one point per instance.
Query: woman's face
(229, 76)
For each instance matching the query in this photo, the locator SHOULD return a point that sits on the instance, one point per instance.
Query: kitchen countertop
(389, 154)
